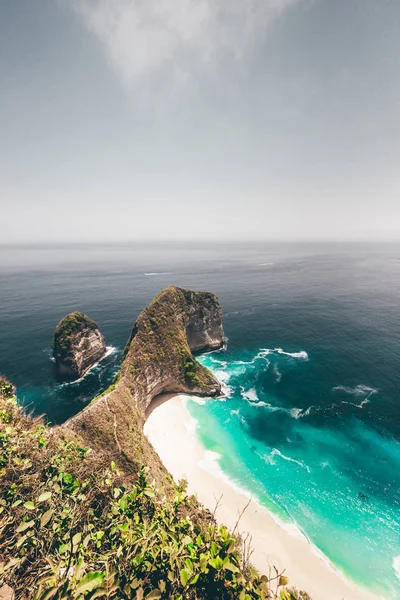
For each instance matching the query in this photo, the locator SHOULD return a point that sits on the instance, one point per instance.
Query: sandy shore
(171, 430)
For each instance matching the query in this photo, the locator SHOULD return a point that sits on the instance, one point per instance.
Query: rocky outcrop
(78, 345)
(158, 358)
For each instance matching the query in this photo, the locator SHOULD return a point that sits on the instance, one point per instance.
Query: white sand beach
(171, 430)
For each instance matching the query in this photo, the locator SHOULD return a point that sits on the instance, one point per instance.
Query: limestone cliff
(78, 345)
(158, 358)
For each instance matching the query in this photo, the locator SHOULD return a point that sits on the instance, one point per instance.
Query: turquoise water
(306, 474)
(308, 428)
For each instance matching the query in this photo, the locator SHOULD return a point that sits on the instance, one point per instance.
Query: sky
(128, 120)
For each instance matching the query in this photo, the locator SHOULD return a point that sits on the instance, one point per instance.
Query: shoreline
(172, 432)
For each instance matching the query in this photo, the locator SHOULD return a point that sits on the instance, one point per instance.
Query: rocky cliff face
(78, 345)
(158, 358)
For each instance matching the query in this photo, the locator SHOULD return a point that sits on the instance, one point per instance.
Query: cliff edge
(78, 345)
(158, 359)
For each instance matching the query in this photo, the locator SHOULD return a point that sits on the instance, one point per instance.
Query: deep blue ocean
(311, 419)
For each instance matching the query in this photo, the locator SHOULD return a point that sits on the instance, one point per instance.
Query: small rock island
(78, 345)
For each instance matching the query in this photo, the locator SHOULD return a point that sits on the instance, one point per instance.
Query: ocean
(310, 424)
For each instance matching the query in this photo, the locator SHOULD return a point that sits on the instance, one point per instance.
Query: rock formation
(158, 358)
(78, 345)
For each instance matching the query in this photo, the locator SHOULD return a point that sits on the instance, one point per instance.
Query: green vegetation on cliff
(75, 526)
(159, 343)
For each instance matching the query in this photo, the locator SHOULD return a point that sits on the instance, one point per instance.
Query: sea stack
(78, 345)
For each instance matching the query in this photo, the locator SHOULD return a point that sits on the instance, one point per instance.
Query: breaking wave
(109, 350)
(302, 354)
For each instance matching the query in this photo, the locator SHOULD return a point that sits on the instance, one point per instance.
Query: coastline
(171, 430)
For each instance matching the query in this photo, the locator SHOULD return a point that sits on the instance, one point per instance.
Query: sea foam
(358, 391)
(275, 452)
(396, 566)
(109, 350)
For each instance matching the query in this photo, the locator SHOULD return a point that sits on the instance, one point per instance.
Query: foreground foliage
(73, 527)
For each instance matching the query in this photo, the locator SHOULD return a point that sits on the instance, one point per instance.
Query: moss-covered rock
(78, 345)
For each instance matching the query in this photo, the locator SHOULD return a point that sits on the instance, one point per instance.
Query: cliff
(73, 525)
(158, 359)
(78, 345)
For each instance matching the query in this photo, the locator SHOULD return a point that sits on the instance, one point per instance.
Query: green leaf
(90, 582)
(25, 525)
(64, 548)
(76, 539)
(123, 503)
(194, 579)
(217, 563)
(189, 566)
(283, 580)
(154, 595)
(29, 505)
(44, 497)
(46, 517)
(231, 567)
(214, 549)
(184, 577)
(16, 503)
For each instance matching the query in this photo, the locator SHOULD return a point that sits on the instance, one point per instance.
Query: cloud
(176, 40)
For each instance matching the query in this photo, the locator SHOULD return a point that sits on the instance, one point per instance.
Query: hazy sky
(221, 119)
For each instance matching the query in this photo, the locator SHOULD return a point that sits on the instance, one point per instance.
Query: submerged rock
(78, 345)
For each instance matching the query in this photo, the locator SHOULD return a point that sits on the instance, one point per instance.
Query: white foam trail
(358, 390)
(267, 264)
(296, 413)
(197, 400)
(396, 566)
(157, 273)
(277, 373)
(275, 452)
(302, 354)
(250, 394)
